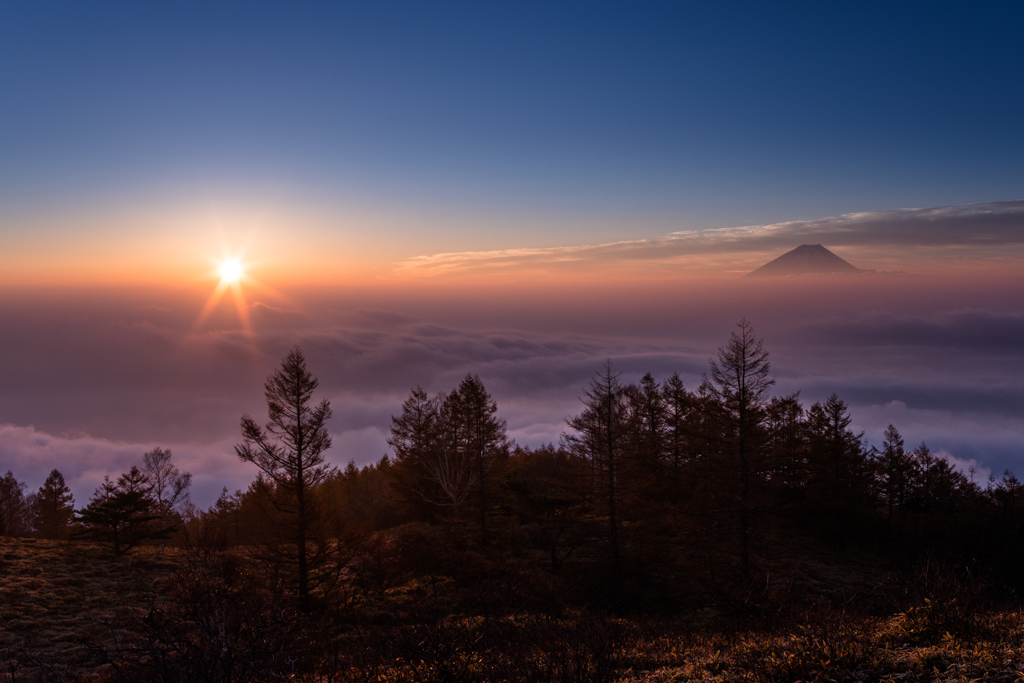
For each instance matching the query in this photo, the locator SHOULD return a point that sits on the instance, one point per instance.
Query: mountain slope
(807, 259)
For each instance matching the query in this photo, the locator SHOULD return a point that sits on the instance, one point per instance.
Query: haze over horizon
(416, 193)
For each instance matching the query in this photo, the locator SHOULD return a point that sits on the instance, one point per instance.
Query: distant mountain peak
(807, 259)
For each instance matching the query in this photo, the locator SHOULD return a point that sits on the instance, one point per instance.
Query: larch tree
(289, 451)
(895, 472)
(648, 424)
(168, 486)
(740, 381)
(838, 488)
(599, 439)
(678, 405)
(54, 507)
(483, 438)
(423, 477)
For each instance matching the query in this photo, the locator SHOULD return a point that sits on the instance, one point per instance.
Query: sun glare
(230, 271)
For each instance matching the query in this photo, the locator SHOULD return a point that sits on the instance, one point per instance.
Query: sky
(418, 191)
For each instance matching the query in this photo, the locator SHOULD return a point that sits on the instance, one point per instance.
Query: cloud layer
(968, 228)
(90, 379)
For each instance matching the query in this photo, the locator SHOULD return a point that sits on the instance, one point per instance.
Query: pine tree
(289, 453)
(121, 514)
(54, 507)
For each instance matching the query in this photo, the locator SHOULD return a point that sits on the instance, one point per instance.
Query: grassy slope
(57, 597)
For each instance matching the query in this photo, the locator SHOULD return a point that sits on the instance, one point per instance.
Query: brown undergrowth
(58, 600)
(71, 612)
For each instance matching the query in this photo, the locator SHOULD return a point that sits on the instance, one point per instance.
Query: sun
(230, 271)
(232, 276)
(234, 280)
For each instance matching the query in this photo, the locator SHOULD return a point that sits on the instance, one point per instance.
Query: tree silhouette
(121, 514)
(838, 488)
(169, 487)
(54, 507)
(740, 382)
(289, 452)
(14, 508)
(895, 470)
(414, 436)
(434, 465)
(481, 436)
(599, 439)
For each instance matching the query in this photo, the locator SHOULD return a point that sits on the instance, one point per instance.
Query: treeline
(657, 496)
(146, 504)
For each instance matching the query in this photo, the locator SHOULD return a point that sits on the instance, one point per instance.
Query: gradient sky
(521, 190)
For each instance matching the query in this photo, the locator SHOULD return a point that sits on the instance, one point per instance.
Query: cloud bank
(967, 227)
(91, 379)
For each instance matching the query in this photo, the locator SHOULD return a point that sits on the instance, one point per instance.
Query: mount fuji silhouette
(807, 259)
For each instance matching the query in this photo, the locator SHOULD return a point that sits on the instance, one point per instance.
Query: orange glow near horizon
(232, 274)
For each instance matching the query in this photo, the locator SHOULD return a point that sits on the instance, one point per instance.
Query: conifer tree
(678, 406)
(740, 382)
(14, 509)
(599, 440)
(121, 514)
(289, 453)
(168, 485)
(838, 486)
(895, 471)
(415, 436)
(54, 507)
(647, 424)
(482, 436)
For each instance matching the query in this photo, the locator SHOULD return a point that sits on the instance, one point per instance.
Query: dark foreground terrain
(72, 612)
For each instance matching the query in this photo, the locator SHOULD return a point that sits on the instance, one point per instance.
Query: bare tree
(168, 486)
(289, 452)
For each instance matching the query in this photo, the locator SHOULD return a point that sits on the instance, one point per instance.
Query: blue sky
(657, 115)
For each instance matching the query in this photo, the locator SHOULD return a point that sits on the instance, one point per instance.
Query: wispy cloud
(971, 226)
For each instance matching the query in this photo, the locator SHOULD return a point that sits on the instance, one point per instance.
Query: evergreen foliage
(15, 518)
(122, 514)
(54, 507)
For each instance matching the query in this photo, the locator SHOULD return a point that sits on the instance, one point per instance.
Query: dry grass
(57, 598)
(847, 650)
